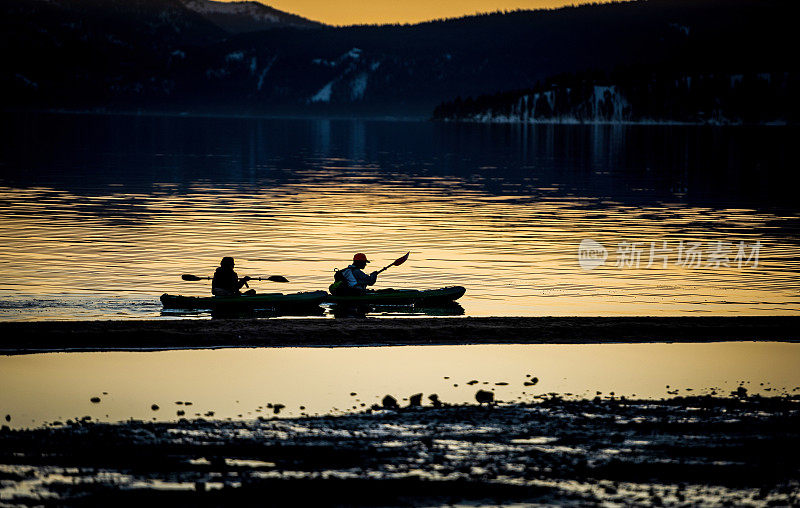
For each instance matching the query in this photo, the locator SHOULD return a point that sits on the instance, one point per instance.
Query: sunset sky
(348, 12)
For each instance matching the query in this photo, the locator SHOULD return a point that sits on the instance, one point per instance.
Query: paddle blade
(190, 277)
(277, 278)
(401, 260)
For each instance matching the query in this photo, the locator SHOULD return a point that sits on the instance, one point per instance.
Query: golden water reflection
(110, 255)
(240, 383)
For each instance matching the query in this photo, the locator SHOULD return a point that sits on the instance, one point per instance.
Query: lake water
(99, 215)
(242, 383)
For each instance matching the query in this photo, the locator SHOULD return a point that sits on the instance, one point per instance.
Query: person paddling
(352, 280)
(226, 282)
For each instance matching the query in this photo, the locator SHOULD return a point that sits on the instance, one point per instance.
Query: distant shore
(32, 337)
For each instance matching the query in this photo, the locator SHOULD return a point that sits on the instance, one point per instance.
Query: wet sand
(169, 334)
(679, 452)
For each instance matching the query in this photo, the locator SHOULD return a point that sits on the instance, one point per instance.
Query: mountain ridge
(161, 55)
(247, 16)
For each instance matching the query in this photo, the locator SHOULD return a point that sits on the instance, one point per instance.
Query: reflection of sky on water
(233, 382)
(120, 206)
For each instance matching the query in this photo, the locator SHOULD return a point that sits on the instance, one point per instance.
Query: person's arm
(373, 278)
(240, 282)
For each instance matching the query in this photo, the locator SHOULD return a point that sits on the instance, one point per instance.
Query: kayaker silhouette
(352, 280)
(226, 282)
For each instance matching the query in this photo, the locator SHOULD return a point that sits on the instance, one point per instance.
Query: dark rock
(501, 383)
(434, 398)
(389, 402)
(155, 407)
(740, 392)
(277, 408)
(483, 396)
(8, 418)
(181, 412)
(473, 382)
(415, 400)
(95, 400)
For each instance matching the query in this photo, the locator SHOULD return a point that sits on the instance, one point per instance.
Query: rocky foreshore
(740, 451)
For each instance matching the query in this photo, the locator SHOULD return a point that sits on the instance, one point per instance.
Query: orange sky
(348, 12)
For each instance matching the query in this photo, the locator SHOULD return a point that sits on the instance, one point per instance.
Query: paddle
(397, 262)
(273, 278)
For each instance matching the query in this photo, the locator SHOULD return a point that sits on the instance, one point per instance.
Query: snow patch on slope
(358, 86)
(237, 56)
(351, 56)
(353, 77)
(265, 71)
(324, 94)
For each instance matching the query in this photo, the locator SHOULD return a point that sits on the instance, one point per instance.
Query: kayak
(360, 310)
(402, 296)
(258, 301)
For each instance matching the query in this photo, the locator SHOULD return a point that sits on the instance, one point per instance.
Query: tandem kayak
(402, 296)
(262, 301)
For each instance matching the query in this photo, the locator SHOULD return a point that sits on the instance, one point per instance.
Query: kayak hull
(263, 301)
(401, 297)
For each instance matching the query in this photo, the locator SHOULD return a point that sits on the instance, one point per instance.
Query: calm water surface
(99, 215)
(240, 383)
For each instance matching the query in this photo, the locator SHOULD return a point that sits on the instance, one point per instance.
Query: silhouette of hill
(247, 16)
(162, 55)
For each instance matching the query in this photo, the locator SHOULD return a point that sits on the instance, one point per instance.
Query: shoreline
(75, 336)
(544, 452)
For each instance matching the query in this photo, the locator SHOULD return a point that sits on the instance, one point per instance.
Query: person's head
(227, 262)
(360, 260)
